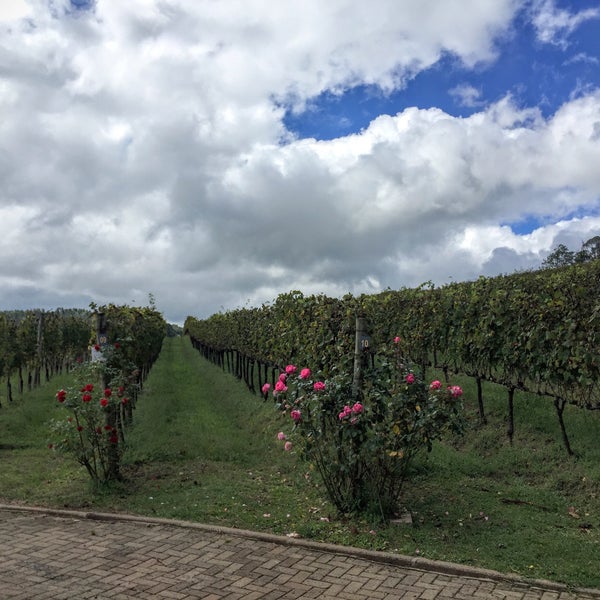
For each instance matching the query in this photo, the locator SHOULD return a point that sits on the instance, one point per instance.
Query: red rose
(104, 402)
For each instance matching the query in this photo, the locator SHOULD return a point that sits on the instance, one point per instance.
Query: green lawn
(203, 448)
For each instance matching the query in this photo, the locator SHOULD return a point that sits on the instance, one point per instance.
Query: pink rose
(305, 374)
(455, 391)
(319, 386)
(296, 415)
(265, 388)
(280, 387)
(435, 385)
(283, 377)
(281, 435)
(397, 340)
(287, 446)
(345, 413)
(357, 408)
(291, 369)
(410, 378)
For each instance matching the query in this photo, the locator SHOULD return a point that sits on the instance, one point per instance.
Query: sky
(217, 153)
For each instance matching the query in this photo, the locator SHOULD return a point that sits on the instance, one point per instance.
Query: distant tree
(561, 256)
(590, 250)
(174, 330)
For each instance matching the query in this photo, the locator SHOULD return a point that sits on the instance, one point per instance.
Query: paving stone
(53, 555)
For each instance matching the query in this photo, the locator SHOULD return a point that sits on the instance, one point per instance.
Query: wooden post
(39, 350)
(511, 414)
(361, 345)
(559, 404)
(112, 415)
(482, 417)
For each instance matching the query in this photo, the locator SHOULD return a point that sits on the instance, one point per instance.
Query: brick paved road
(60, 556)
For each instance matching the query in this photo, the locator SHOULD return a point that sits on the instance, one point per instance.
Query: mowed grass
(203, 448)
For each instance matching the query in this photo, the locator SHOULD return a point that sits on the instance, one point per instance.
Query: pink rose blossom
(287, 446)
(357, 408)
(455, 391)
(283, 377)
(296, 415)
(291, 369)
(397, 340)
(265, 388)
(281, 435)
(280, 387)
(410, 378)
(345, 413)
(305, 374)
(319, 386)
(435, 385)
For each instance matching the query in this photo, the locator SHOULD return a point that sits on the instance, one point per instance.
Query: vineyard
(111, 347)
(202, 448)
(35, 345)
(533, 331)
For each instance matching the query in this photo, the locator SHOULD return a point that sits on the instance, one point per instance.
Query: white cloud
(466, 95)
(11, 10)
(555, 25)
(143, 150)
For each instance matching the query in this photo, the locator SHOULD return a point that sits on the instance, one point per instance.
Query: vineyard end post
(361, 346)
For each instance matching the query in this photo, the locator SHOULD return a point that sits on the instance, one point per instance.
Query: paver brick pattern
(51, 557)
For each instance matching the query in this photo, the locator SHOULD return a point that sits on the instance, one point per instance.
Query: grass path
(189, 408)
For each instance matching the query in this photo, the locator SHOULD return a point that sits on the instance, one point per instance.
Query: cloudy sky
(216, 153)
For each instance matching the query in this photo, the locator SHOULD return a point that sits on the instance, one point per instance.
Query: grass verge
(202, 448)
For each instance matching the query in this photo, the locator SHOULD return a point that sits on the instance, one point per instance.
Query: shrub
(93, 429)
(362, 445)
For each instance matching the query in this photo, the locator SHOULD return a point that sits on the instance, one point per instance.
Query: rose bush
(362, 447)
(92, 427)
